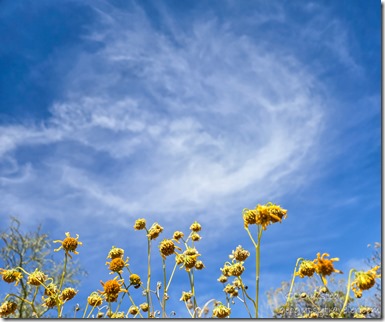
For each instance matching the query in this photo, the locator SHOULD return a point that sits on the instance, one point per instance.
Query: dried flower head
(7, 308)
(11, 275)
(166, 247)
(117, 265)
(359, 316)
(196, 227)
(222, 279)
(117, 315)
(154, 231)
(133, 310)
(144, 307)
(140, 224)
(307, 268)
(135, 279)
(67, 294)
(177, 235)
(249, 217)
(199, 265)
(324, 266)
(95, 299)
(186, 296)
(37, 278)
(221, 311)
(240, 254)
(51, 290)
(237, 269)
(115, 252)
(364, 280)
(195, 237)
(49, 302)
(229, 288)
(69, 244)
(263, 215)
(226, 270)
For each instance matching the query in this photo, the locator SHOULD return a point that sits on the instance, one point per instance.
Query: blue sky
(181, 111)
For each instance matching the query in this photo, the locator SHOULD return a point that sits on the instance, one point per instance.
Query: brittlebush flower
(7, 308)
(239, 254)
(177, 235)
(37, 278)
(115, 252)
(221, 311)
(154, 231)
(144, 307)
(11, 275)
(51, 290)
(117, 315)
(117, 265)
(69, 244)
(186, 296)
(166, 248)
(95, 299)
(140, 224)
(229, 289)
(68, 294)
(222, 279)
(196, 227)
(112, 288)
(133, 310)
(135, 279)
(199, 265)
(324, 266)
(364, 281)
(263, 215)
(49, 302)
(307, 268)
(195, 237)
(237, 269)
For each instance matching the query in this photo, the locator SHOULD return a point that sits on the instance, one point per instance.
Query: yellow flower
(199, 265)
(154, 231)
(222, 279)
(11, 275)
(68, 293)
(263, 215)
(239, 254)
(221, 311)
(37, 278)
(7, 308)
(195, 237)
(116, 252)
(307, 268)
(237, 269)
(133, 310)
(135, 280)
(324, 266)
(95, 299)
(140, 224)
(112, 288)
(118, 315)
(49, 302)
(177, 235)
(249, 217)
(69, 244)
(166, 248)
(144, 307)
(117, 265)
(51, 290)
(364, 280)
(196, 227)
(229, 289)
(186, 296)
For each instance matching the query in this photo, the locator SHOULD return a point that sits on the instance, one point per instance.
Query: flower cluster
(263, 215)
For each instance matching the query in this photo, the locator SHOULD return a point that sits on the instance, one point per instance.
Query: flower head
(240, 254)
(364, 281)
(51, 290)
(140, 224)
(307, 268)
(195, 237)
(67, 294)
(49, 302)
(154, 231)
(263, 215)
(221, 311)
(117, 265)
(144, 307)
(112, 288)
(37, 278)
(11, 275)
(69, 244)
(95, 299)
(195, 227)
(115, 252)
(135, 280)
(166, 248)
(177, 235)
(133, 310)
(324, 266)
(199, 265)
(222, 279)
(7, 308)
(186, 296)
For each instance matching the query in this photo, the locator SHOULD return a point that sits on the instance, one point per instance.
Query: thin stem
(164, 288)
(191, 279)
(148, 275)
(93, 308)
(85, 310)
(258, 269)
(347, 293)
(172, 275)
(292, 280)
(244, 297)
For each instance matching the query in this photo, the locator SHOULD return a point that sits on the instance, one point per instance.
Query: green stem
(172, 275)
(148, 275)
(191, 278)
(85, 310)
(258, 269)
(347, 293)
(292, 280)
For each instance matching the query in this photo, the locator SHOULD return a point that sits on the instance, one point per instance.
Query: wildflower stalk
(258, 268)
(59, 304)
(244, 297)
(23, 300)
(85, 311)
(164, 289)
(347, 293)
(148, 274)
(93, 308)
(172, 275)
(191, 278)
(292, 280)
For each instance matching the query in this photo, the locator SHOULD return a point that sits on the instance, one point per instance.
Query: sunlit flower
(195, 237)
(11, 275)
(186, 296)
(237, 269)
(144, 307)
(263, 215)
(324, 266)
(249, 217)
(51, 290)
(67, 294)
(364, 281)
(117, 315)
(154, 231)
(37, 278)
(95, 299)
(229, 288)
(196, 227)
(133, 310)
(117, 265)
(7, 308)
(69, 244)
(199, 265)
(240, 254)
(177, 235)
(222, 279)
(112, 288)
(135, 279)
(115, 252)
(307, 268)
(140, 224)
(166, 247)
(49, 302)
(221, 311)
